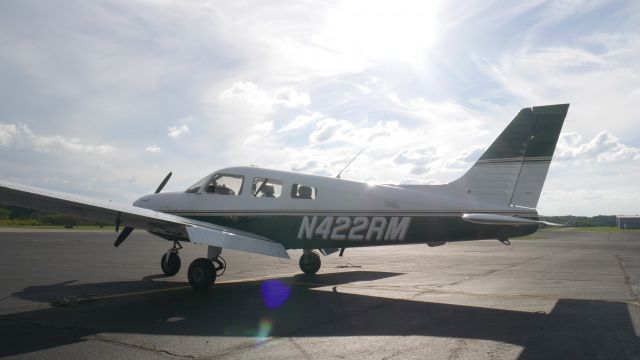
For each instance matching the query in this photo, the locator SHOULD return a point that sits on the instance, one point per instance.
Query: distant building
(628, 221)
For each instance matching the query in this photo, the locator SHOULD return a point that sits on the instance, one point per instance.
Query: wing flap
(230, 240)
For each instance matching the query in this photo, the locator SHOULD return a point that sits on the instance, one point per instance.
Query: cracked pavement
(560, 294)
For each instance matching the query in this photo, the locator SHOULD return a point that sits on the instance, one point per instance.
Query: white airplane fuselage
(343, 213)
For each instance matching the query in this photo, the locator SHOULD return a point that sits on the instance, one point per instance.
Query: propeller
(123, 235)
(128, 229)
(164, 182)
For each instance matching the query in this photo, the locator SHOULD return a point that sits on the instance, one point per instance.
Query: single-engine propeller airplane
(268, 211)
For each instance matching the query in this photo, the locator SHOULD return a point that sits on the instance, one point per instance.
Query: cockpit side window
(299, 191)
(193, 189)
(225, 184)
(266, 188)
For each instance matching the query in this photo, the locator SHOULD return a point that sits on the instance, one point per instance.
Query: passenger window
(225, 184)
(267, 188)
(303, 192)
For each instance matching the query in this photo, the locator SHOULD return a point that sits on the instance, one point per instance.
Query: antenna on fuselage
(349, 163)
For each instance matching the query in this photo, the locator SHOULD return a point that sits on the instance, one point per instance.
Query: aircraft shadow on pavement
(573, 329)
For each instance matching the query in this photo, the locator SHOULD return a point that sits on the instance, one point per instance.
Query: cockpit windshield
(219, 184)
(196, 187)
(225, 184)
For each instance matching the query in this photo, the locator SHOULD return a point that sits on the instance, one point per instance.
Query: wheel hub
(198, 274)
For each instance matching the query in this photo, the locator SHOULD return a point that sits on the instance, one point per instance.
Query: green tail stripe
(533, 132)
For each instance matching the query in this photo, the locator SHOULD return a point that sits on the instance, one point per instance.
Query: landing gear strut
(309, 262)
(170, 262)
(202, 272)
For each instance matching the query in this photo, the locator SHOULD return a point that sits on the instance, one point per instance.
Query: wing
(495, 219)
(158, 223)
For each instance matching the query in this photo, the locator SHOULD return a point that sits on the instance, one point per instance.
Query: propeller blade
(118, 222)
(127, 230)
(164, 182)
(123, 235)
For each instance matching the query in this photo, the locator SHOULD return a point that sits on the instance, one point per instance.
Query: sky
(104, 98)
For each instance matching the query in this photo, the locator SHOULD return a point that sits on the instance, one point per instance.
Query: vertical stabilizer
(513, 169)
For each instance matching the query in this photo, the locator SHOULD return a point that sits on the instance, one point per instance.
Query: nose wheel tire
(201, 274)
(170, 263)
(310, 263)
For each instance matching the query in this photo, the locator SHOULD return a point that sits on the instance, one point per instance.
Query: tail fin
(513, 169)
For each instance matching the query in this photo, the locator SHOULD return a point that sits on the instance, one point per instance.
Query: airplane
(267, 212)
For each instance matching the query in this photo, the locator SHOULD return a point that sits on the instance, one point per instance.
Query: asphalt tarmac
(559, 295)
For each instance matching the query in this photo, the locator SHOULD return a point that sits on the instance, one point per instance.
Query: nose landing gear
(170, 262)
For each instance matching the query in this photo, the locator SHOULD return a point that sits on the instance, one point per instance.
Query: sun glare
(400, 30)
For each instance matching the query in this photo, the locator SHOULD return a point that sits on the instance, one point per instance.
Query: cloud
(463, 160)
(154, 149)
(378, 135)
(247, 92)
(49, 143)
(7, 133)
(21, 136)
(419, 159)
(175, 131)
(329, 129)
(420, 170)
(250, 93)
(419, 156)
(608, 200)
(604, 147)
(311, 87)
(597, 76)
(302, 121)
(305, 166)
(291, 98)
(263, 127)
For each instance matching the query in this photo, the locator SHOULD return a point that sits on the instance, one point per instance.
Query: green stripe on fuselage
(532, 133)
(303, 232)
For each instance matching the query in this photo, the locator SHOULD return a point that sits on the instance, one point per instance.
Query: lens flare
(274, 293)
(264, 329)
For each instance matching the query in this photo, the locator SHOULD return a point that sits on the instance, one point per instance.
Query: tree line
(15, 215)
(583, 221)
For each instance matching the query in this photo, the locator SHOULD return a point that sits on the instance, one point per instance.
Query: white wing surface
(156, 222)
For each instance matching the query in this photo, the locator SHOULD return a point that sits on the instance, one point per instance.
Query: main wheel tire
(310, 263)
(171, 266)
(201, 274)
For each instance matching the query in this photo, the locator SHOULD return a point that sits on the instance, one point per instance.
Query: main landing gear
(309, 262)
(202, 272)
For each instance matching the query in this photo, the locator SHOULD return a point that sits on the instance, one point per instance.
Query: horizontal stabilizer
(495, 219)
(228, 240)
